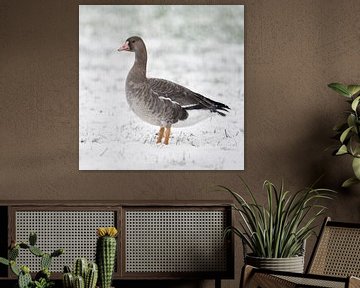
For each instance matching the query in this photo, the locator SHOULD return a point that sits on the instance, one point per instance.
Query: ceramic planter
(291, 264)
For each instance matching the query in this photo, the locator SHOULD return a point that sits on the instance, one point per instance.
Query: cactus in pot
(79, 282)
(85, 275)
(81, 266)
(106, 254)
(25, 279)
(91, 276)
(68, 278)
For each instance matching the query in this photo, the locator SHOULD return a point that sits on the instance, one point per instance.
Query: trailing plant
(85, 275)
(42, 278)
(106, 254)
(348, 133)
(279, 229)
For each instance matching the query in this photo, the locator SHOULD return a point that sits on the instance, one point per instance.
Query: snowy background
(200, 47)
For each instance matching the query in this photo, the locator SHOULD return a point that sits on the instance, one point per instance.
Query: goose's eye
(132, 41)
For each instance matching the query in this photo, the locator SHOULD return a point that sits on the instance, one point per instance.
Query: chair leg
(246, 274)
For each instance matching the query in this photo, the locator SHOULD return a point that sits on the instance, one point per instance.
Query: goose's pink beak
(124, 47)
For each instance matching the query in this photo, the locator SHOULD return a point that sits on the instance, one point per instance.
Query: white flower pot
(291, 264)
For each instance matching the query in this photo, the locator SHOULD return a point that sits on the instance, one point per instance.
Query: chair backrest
(337, 251)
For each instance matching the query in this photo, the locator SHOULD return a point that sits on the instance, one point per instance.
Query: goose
(161, 102)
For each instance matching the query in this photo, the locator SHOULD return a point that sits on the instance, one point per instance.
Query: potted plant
(87, 274)
(84, 274)
(42, 278)
(106, 254)
(276, 233)
(348, 133)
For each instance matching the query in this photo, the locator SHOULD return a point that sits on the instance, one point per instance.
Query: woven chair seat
(314, 282)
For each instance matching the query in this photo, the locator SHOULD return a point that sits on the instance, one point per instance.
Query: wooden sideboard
(157, 240)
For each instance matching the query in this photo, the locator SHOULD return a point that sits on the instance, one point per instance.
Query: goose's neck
(139, 67)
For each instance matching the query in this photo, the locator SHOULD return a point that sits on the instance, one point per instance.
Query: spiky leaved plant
(279, 229)
(106, 254)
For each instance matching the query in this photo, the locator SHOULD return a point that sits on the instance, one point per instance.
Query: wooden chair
(334, 263)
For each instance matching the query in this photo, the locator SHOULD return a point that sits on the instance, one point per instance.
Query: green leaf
(349, 182)
(14, 268)
(356, 167)
(351, 120)
(342, 150)
(355, 103)
(4, 261)
(345, 134)
(340, 88)
(353, 89)
(354, 145)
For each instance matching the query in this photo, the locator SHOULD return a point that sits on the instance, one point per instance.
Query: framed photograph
(161, 87)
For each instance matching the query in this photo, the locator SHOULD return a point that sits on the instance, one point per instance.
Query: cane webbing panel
(338, 252)
(267, 280)
(75, 231)
(313, 282)
(175, 241)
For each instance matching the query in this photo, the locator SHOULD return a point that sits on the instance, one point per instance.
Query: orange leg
(167, 135)
(160, 135)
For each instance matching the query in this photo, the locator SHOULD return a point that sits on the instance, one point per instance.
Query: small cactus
(24, 246)
(79, 282)
(45, 261)
(106, 254)
(24, 277)
(91, 276)
(67, 269)
(32, 238)
(25, 269)
(67, 278)
(88, 273)
(13, 253)
(80, 268)
(44, 273)
(36, 251)
(57, 252)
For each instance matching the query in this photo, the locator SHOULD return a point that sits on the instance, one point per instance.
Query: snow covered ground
(200, 47)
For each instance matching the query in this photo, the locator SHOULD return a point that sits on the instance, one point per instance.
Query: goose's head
(133, 44)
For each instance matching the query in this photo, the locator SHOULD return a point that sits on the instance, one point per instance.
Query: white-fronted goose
(161, 102)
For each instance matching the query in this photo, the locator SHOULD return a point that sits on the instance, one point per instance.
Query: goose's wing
(186, 98)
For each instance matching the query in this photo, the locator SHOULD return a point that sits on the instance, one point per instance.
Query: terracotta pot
(291, 264)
